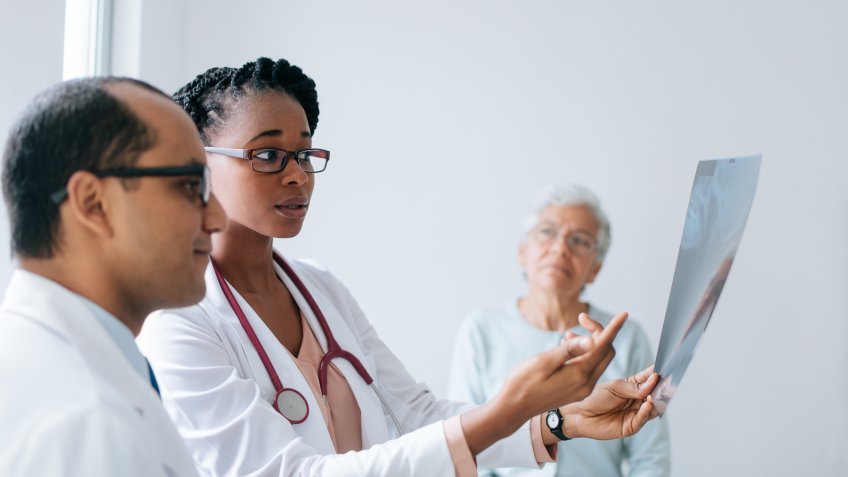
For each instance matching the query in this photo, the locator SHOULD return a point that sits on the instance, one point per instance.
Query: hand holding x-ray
(614, 410)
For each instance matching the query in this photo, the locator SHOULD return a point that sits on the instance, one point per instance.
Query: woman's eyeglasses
(270, 160)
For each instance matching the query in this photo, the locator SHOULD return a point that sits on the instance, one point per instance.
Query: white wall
(445, 117)
(32, 35)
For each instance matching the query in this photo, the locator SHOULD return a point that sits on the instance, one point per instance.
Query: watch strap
(557, 430)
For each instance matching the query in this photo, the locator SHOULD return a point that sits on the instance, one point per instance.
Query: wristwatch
(554, 420)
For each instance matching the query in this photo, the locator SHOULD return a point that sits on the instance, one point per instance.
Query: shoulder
(75, 398)
(91, 437)
(490, 321)
(176, 321)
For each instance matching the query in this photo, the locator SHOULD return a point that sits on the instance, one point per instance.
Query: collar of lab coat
(33, 297)
(373, 420)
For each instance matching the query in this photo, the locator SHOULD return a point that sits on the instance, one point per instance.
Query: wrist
(569, 421)
(512, 412)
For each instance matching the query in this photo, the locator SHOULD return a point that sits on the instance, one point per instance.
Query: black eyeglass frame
(198, 170)
(249, 153)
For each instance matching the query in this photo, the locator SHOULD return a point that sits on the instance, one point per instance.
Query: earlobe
(521, 251)
(86, 203)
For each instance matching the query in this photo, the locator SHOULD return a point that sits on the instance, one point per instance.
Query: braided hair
(206, 98)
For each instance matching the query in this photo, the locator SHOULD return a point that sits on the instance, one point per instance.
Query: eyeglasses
(204, 186)
(270, 160)
(580, 243)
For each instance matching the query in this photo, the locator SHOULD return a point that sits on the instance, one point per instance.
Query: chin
(189, 292)
(290, 231)
(191, 297)
(555, 286)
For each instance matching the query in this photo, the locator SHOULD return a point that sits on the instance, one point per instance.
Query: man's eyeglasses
(270, 160)
(580, 243)
(204, 186)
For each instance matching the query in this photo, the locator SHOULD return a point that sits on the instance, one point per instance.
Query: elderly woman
(566, 239)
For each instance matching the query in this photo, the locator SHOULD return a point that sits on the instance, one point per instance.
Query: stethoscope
(289, 401)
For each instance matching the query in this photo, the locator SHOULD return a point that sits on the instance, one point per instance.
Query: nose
(293, 174)
(214, 217)
(560, 244)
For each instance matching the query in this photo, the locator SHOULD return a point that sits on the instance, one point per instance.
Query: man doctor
(111, 216)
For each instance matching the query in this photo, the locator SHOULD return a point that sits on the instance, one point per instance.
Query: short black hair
(205, 98)
(74, 125)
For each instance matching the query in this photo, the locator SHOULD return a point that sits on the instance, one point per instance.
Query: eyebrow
(559, 225)
(277, 133)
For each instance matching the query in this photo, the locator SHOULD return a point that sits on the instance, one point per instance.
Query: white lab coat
(219, 394)
(71, 402)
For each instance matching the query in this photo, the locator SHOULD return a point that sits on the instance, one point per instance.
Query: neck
(245, 259)
(551, 311)
(84, 280)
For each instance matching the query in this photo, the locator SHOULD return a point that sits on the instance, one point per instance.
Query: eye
(191, 186)
(582, 241)
(546, 233)
(268, 155)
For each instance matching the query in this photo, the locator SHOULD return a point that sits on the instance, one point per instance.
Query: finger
(591, 325)
(578, 345)
(603, 344)
(642, 416)
(654, 411)
(569, 335)
(553, 359)
(632, 390)
(609, 333)
(599, 369)
(642, 376)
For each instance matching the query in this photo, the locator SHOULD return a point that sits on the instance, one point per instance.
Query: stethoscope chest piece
(292, 405)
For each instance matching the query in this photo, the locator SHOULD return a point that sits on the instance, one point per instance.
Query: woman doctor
(241, 373)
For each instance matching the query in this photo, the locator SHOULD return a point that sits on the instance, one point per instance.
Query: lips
(294, 207)
(202, 248)
(559, 268)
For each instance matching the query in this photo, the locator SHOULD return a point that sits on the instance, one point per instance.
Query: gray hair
(568, 196)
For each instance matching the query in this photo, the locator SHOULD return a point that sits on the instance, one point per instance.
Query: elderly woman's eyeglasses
(270, 160)
(580, 243)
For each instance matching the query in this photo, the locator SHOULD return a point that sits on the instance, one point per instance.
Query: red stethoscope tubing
(333, 348)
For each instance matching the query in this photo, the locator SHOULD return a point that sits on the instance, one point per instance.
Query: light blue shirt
(122, 336)
(493, 341)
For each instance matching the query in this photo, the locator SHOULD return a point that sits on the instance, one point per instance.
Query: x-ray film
(718, 210)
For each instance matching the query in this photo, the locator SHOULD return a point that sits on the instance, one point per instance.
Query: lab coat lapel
(314, 429)
(62, 311)
(373, 419)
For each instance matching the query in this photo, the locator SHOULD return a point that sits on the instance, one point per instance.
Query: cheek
(238, 190)
(584, 267)
(532, 256)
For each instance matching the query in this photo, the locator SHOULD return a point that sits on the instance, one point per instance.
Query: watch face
(552, 420)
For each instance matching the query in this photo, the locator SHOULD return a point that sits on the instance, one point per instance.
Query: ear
(86, 205)
(597, 268)
(522, 254)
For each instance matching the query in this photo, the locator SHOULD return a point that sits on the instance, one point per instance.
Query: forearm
(490, 422)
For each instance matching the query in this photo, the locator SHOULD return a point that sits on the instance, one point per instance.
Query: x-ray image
(719, 204)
